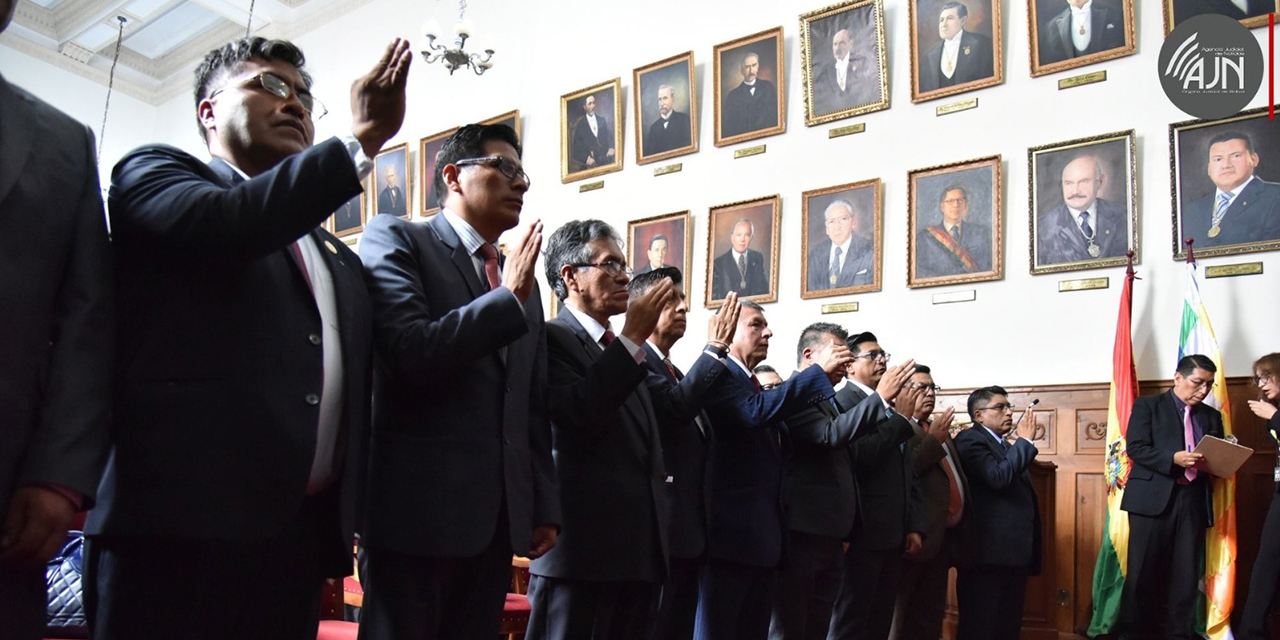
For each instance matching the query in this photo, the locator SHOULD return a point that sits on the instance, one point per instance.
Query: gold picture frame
(357, 206)
(429, 149)
(758, 282)
(737, 117)
(659, 138)
(846, 211)
(1111, 32)
(980, 47)
(676, 229)
(579, 146)
(394, 158)
(866, 87)
(932, 257)
(1254, 18)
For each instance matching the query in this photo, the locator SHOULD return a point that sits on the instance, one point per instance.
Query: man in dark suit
(752, 105)
(846, 82)
(58, 327)
(747, 529)
(962, 56)
(821, 498)
(1084, 28)
(957, 246)
(602, 578)
(460, 472)
(592, 139)
(1243, 207)
(991, 586)
(672, 129)
(243, 376)
(1084, 226)
(1169, 501)
(1183, 9)
(347, 217)
(657, 255)
(741, 269)
(944, 491)
(391, 198)
(886, 524)
(686, 437)
(844, 258)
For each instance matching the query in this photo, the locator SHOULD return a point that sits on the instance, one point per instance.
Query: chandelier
(454, 57)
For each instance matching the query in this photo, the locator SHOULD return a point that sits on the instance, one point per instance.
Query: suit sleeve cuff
(75, 497)
(636, 352)
(364, 166)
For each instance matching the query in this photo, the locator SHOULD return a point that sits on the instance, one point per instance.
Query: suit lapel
(592, 351)
(1070, 233)
(233, 178)
(16, 138)
(461, 260)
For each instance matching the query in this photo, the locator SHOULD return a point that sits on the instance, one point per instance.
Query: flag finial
(1191, 255)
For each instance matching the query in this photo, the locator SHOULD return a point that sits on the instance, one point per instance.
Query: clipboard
(1221, 458)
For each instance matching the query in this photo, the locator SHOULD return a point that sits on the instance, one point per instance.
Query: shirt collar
(1234, 192)
(865, 389)
(844, 246)
(594, 329)
(471, 239)
(737, 255)
(992, 433)
(1082, 12)
(1093, 212)
(954, 42)
(656, 349)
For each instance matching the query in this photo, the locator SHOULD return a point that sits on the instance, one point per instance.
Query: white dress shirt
(842, 71)
(951, 54)
(1093, 216)
(596, 331)
(591, 122)
(844, 254)
(1082, 26)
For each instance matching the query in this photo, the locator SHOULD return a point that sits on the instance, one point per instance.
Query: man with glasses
(885, 525)
(741, 269)
(603, 576)
(991, 585)
(240, 413)
(843, 259)
(1169, 501)
(768, 377)
(958, 245)
(944, 491)
(461, 474)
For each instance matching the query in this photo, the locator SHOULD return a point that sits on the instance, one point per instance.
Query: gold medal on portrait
(1094, 250)
(1214, 231)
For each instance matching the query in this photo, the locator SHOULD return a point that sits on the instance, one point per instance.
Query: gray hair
(568, 246)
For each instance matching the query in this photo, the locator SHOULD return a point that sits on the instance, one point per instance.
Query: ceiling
(163, 39)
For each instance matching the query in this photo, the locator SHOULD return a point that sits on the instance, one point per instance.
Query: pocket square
(1110, 26)
(860, 272)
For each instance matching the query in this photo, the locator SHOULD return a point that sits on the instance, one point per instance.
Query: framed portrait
(511, 119)
(429, 149)
(955, 47)
(1083, 199)
(841, 231)
(662, 241)
(390, 181)
(842, 53)
(954, 219)
(742, 250)
(1064, 37)
(666, 111)
(1250, 13)
(1226, 184)
(349, 219)
(591, 131)
(750, 88)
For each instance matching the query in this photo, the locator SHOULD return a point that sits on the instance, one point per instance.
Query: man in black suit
(848, 81)
(243, 377)
(741, 269)
(460, 471)
(922, 593)
(592, 139)
(845, 258)
(752, 105)
(686, 437)
(886, 524)
(58, 327)
(1183, 9)
(391, 198)
(657, 255)
(1243, 207)
(1169, 501)
(1084, 28)
(672, 129)
(957, 246)
(991, 585)
(820, 496)
(348, 216)
(962, 56)
(601, 581)
(1084, 226)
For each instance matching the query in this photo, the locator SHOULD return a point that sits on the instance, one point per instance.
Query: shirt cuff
(76, 498)
(636, 351)
(364, 166)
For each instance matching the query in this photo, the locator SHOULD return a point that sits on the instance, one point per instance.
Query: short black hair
(962, 11)
(953, 187)
(812, 335)
(641, 283)
(982, 395)
(230, 58)
(865, 336)
(568, 245)
(657, 238)
(1232, 135)
(764, 368)
(1188, 364)
(922, 368)
(468, 142)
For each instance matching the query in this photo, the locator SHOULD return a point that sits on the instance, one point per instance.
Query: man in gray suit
(1083, 226)
(461, 474)
(1242, 207)
(56, 360)
(844, 258)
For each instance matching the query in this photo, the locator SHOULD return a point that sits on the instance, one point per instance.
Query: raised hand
(522, 263)
(377, 98)
(942, 426)
(907, 399)
(834, 360)
(643, 312)
(894, 379)
(724, 324)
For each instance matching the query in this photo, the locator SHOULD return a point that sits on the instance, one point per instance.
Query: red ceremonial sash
(947, 240)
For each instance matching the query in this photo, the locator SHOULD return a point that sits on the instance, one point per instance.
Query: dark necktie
(608, 337)
(670, 367)
(490, 255)
(834, 271)
(1084, 224)
(742, 265)
(955, 232)
(756, 383)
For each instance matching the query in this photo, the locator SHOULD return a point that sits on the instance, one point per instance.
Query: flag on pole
(1110, 569)
(1220, 542)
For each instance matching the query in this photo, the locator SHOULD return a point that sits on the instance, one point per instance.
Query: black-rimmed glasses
(1002, 407)
(280, 88)
(611, 267)
(874, 355)
(506, 165)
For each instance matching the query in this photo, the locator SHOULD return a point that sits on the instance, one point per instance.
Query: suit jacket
(974, 61)
(745, 113)
(384, 201)
(1005, 511)
(934, 259)
(1183, 9)
(886, 483)
(748, 525)
(927, 458)
(858, 268)
(821, 495)
(1106, 32)
(57, 290)
(726, 277)
(1059, 240)
(1254, 216)
(588, 145)
(460, 428)
(686, 436)
(220, 362)
(1155, 433)
(614, 499)
(676, 135)
(861, 85)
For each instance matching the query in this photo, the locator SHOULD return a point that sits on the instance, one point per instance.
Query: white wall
(1020, 330)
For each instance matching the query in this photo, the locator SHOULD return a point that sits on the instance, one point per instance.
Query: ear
(450, 175)
(570, 276)
(204, 111)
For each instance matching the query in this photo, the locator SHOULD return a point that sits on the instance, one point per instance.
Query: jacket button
(313, 399)
(315, 338)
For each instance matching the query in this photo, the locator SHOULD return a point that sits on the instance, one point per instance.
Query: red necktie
(756, 381)
(490, 255)
(296, 250)
(670, 367)
(608, 337)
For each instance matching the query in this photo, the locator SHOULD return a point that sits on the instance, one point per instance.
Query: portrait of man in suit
(750, 101)
(1242, 207)
(660, 241)
(429, 149)
(1253, 13)
(390, 196)
(347, 219)
(672, 128)
(848, 79)
(741, 269)
(960, 56)
(1078, 225)
(840, 231)
(656, 254)
(1070, 29)
(959, 243)
(592, 144)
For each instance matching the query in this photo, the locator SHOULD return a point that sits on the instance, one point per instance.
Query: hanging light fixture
(455, 57)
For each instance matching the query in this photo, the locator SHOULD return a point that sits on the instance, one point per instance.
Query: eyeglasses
(280, 88)
(927, 388)
(1203, 384)
(1265, 378)
(954, 201)
(839, 220)
(506, 165)
(874, 355)
(611, 267)
(1002, 407)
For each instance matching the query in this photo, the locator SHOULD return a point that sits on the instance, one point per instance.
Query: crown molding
(36, 18)
(125, 86)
